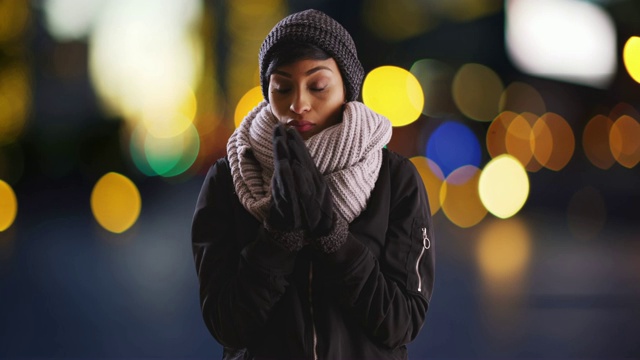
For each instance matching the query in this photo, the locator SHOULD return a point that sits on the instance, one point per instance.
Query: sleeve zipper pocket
(426, 244)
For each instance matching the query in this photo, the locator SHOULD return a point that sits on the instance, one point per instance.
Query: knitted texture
(317, 28)
(348, 154)
(332, 242)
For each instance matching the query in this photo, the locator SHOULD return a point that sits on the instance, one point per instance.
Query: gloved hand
(284, 222)
(314, 196)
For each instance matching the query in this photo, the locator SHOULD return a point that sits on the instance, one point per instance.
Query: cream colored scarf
(348, 154)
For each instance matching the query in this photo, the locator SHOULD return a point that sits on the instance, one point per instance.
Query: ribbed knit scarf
(348, 154)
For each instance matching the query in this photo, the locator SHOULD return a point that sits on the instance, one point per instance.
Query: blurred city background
(522, 117)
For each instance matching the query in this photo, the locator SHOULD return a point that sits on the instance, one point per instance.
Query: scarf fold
(348, 154)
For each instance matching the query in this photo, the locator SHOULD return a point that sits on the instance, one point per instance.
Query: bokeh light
(503, 252)
(554, 141)
(453, 145)
(521, 97)
(395, 93)
(166, 157)
(459, 197)
(520, 141)
(168, 112)
(145, 60)
(580, 48)
(247, 24)
(595, 141)
(432, 178)
(8, 206)
(71, 19)
(397, 20)
(172, 156)
(624, 139)
(436, 78)
(15, 100)
(14, 19)
(249, 101)
(465, 10)
(115, 202)
(587, 213)
(476, 91)
(497, 133)
(631, 57)
(504, 186)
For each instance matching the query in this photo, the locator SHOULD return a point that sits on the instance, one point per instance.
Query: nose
(300, 103)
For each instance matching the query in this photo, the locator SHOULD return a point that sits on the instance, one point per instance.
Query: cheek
(277, 108)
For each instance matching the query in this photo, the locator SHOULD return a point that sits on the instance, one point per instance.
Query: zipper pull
(425, 239)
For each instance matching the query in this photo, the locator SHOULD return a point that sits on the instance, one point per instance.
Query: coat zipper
(426, 244)
(313, 323)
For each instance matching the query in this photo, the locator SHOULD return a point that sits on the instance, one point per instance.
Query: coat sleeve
(239, 285)
(390, 301)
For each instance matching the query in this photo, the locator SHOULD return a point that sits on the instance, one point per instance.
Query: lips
(301, 125)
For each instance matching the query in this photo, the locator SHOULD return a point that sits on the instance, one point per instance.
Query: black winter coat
(365, 301)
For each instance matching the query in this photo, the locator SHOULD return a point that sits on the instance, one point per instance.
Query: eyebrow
(307, 73)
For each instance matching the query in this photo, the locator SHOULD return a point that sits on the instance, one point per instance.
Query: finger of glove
(315, 196)
(306, 195)
(285, 210)
(298, 149)
(283, 189)
(279, 131)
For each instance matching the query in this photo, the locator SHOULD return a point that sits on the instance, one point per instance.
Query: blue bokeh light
(453, 145)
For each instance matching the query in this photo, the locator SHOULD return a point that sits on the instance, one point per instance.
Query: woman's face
(307, 95)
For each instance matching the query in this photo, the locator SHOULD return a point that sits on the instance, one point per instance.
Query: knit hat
(317, 28)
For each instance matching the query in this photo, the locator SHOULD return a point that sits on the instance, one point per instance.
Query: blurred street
(522, 117)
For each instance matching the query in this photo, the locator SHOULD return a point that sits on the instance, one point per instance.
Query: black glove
(284, 221)
(314, 196)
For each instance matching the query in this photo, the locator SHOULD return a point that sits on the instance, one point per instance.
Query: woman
(311, 240)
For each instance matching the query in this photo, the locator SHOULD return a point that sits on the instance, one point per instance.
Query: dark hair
(313, 27)
(288, 52)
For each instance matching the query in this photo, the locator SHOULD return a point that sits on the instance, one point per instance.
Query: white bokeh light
(142, 54)
(568, 40)
(71, 19)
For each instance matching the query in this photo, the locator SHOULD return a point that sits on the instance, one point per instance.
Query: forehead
(308, 67)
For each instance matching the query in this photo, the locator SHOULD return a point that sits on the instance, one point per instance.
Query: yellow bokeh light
(115, 202)
(631, 57)
(8, 206)
(14, 19)
(497, 133)
(624, 139)
(554, 141)
(520, 140)
(459, 197)
(168, 112)
(436, 78)
(595, 142)
(249, 101)
(504, 186)
(395, 93)
(432, 177)
(476, 91)
(623, 108)
(521, 97)
(542, 141)
(247, 24)
(504, 252)
(397, 20)
(15, 100)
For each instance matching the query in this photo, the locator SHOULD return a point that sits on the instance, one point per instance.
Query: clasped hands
(301, 200)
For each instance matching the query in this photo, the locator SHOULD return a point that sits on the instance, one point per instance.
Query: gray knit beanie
(317, 28)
